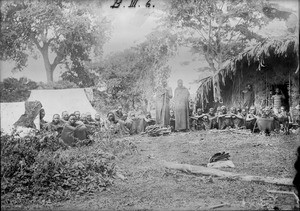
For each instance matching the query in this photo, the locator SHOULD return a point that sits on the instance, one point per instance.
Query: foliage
(287, 46)
(116, 146)
(79, 75)
(131, 76)
(16, 90)
(70, 31)
(102, 102)
(61, 84)
(38, 170)
(219, 29)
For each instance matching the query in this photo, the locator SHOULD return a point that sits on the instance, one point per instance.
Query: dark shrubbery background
(16, 90)
(39, 170)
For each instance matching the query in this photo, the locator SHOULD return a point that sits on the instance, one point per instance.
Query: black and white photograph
(150, 105)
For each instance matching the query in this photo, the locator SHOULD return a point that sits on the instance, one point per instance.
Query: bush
(38, 170)
(57, 85)
(16, 90)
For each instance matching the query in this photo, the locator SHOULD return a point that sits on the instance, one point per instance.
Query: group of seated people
(238, 118)
(80, 125)
(58, 122)
(77, 125)
(70, 126)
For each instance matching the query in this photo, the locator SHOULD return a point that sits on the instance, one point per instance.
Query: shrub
(39, 170)
(62, 84)
(16, 90)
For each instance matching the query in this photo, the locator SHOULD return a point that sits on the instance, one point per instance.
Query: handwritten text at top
(133, 4)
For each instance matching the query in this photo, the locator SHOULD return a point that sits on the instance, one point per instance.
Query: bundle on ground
(157, 130)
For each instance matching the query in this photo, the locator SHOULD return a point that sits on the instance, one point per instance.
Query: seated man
(139, 122)
(98, 120)
(197, 121)
(83, 118)
(73, 130)
(77, 115)
(236, 119)
(224, 119)
(56, 125)
(89, 120)
(111, 124)
(172, 120)
(242, 115)
(191, 112)
(65, 116)
(284, 119)
(127, 121)
(115, 125)
(219, 111)
(43, 123)
(251, 118)
(210, 120)
(295, 116)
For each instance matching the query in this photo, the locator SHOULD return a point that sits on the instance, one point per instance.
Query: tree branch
(210, 62)
(58, 60)
(51, 39)
(231, 35)
(36, 42)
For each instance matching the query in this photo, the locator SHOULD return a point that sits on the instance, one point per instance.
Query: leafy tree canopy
(69, 31)
(218, 29)
(130, 77)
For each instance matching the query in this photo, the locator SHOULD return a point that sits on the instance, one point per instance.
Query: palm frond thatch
(271, 47)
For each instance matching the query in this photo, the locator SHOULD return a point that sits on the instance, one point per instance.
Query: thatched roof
(269, 48)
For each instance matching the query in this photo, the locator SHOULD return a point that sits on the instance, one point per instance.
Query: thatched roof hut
(270, 64)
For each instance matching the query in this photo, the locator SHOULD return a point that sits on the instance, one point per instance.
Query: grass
(151, 186)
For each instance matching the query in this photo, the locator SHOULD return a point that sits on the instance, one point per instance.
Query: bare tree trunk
(49, 68)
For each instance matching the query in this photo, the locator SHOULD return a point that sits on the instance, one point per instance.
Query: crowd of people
(242, 119)
(274, 115)
(181, 118)
(80, 125)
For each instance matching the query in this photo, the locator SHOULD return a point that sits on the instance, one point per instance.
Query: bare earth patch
(148, 185)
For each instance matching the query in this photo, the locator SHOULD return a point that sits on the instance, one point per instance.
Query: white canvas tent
(10, 113)
(55, 101)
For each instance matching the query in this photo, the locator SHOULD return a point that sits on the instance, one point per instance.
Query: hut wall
(235, 84)
(262, 81)
(295, 90)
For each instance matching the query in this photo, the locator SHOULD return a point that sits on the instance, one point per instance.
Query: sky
(130, 26)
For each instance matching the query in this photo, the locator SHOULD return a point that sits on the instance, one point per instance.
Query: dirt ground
(150, 186)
